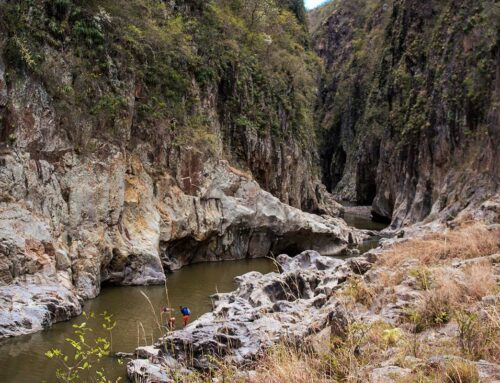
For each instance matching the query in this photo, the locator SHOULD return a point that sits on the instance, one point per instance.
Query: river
(22, 359)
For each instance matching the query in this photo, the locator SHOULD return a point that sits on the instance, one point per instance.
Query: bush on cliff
(167, 56)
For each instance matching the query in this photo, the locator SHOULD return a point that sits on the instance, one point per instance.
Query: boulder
(388, 374)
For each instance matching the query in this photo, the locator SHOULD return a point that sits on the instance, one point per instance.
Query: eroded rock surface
(35, 279)
(125, 193)
(431, 155)
(330, 305)
(66, 228)
(262, 311)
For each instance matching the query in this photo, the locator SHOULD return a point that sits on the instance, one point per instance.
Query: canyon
(407, 110)
(96, 193)
(138, 137)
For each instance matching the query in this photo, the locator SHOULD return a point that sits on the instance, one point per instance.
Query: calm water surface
(22, 358)
(361, 222)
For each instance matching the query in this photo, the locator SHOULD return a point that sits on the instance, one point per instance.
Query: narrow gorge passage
(353, 144)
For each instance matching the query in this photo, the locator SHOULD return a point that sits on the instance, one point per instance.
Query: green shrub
(88, 350)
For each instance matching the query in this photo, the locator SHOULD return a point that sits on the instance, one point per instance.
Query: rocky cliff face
(123, 126)
(408, 105)
(67, 228)
(79, 76)
(138, 136)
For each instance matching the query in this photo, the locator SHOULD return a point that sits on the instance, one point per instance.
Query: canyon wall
(407, 111)
(140, 136)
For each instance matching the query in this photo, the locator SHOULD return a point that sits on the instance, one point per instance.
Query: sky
(313, 3)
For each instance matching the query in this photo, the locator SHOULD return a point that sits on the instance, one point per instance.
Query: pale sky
(313, 3)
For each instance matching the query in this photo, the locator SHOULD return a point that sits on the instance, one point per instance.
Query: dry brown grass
(284, 364)
(364, 344)
(360, 291)
(479, 281)
(479, 333)
(454, 371)
(447, 294)
(460, 372)
(390, 278)
(436, 306)
(474, 240)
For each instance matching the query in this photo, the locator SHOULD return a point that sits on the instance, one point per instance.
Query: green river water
(22, 359)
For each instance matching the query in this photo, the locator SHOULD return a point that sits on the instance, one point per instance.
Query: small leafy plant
(88, 349)
(423, 277)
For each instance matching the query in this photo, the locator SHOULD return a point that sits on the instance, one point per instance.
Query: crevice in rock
(380, 218)
(294, 243)
(243, 242)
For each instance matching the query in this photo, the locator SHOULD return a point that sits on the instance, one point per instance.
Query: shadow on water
(360, 218)
(365, 223)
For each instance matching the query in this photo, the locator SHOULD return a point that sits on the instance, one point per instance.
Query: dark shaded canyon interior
(409, 95)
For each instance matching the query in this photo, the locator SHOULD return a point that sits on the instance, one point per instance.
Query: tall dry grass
(446, 294)
(465, 242)
(479, 333)
(443, 299)
(285, 364)
(455, 371)
(479, 281)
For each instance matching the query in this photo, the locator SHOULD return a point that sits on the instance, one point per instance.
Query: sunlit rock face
(71, 222)
(98, 186)
(67, 229)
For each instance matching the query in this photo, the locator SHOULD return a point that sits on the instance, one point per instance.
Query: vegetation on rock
(168, 56)
(407, 98)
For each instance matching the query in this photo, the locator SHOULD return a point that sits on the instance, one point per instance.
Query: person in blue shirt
(186, 313)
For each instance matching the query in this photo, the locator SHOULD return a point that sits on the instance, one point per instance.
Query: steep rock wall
(408, 105)
(119, 164)
(67, 228)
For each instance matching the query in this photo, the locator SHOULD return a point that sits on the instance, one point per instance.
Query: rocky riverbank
(391, 315)
(118, 165)
(136, 229)
(262, 311)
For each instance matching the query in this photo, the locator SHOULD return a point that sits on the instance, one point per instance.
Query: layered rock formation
(117, 165)
(140, 136)
(87, 222)
(408, 105)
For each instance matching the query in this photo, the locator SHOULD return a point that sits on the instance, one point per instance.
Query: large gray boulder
(34, 292)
